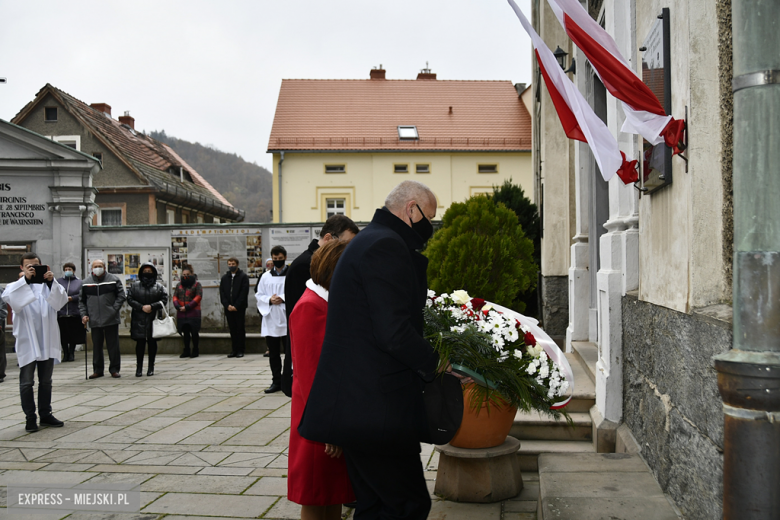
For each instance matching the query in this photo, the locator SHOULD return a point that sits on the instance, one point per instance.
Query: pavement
(200, 437)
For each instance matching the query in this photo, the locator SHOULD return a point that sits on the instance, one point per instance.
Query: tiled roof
(134, 148)
(365, 114)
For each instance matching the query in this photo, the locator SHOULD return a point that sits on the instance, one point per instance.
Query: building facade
(340, 146)
(142, 180)
(647, 277)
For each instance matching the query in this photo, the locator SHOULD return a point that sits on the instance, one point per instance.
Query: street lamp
(560, 56)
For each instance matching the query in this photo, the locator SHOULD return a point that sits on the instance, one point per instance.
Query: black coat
(140, 295)
(367, 393)
(234, 290)
(297, 275)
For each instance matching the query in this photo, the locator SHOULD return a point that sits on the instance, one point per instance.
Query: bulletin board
(125, 262)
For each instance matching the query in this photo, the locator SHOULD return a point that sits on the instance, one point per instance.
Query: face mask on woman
(69, 274)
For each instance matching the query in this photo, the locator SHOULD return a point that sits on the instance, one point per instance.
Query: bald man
(102, 296)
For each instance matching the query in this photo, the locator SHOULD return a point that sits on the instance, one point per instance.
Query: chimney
(426, 73)
(127, 120)
(520, 87)
(102, 107)
(378, 73)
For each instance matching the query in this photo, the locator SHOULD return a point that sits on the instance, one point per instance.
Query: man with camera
(35, 298)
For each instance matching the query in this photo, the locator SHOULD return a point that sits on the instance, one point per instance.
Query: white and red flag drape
(577, 117)
(644, 114)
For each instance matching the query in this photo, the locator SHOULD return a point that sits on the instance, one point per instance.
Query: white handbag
(163, 327)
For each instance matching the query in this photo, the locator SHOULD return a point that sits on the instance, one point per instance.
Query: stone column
(73, 200)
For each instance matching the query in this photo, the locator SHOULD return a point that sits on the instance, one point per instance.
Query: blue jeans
(26, 379)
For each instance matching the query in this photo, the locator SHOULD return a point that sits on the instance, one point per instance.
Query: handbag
(162, 327)
(443, 398)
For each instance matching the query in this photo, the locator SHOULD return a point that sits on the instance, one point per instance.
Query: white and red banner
(644, 114)
(577, 117)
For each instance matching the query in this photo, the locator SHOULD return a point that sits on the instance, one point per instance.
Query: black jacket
(367, 392)
(297, 275)
(234, 290)
(141, 294)
(101, 299)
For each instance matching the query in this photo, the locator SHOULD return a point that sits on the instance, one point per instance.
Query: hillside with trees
(246, 185)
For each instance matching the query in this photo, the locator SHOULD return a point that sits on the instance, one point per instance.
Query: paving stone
(268, 403)
(193, 406)
(120, 478)
(168, 402)
(97, 457)
(242, 472)
(22, 465)
(130, 417)
(89, 434)
(260, 433)
(249, 460)
(209, 416)
(284, 411)
(53, 477)
(601, 485)
(13, 455)
(134, 402)
(155, 457)
(62, 455)
(66, 466)
(584, 462)
(269, 486)
(242, 418)
(279, 462)
(211, 435)
(233, 403)
(268, 472)
(138, 468)
(518, 506)
(198, 459)
(97, 416)
(140, 429)
(223, 485)
(210, 505)
(511, 515)
(529, 492)
(624, 508)
(446, 510)
(284, 509)
(113, 516)
(175, 432)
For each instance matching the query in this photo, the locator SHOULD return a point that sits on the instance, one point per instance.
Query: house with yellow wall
(340, 146)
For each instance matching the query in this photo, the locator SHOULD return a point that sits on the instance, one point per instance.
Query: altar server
(37, 335)
(270, 303)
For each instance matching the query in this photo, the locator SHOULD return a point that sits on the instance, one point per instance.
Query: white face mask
(97, 271)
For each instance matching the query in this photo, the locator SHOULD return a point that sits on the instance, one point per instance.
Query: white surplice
(274, 316)
(35, 309)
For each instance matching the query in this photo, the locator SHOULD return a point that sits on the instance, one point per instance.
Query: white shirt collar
(318, 289)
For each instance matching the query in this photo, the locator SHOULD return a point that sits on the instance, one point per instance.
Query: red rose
(477, 303)
(530, 340)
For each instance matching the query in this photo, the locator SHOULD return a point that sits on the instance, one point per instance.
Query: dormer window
(408, 132)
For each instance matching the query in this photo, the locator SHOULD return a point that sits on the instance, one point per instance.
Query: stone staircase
(540, 434)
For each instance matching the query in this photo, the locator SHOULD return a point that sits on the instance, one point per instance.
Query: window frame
(46, 115)
(481, 165)
(65, 139)
(334, 165)
(401, 137)
(417, 168)
(404, 165)
(343, 208)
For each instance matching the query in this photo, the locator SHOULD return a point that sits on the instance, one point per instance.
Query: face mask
(424, 228)
(148, 276)
(68, 274)
(232, 268)
(98, 271)
(279, 263)
(187, 281)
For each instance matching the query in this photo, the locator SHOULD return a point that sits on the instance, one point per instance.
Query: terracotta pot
(483, 427)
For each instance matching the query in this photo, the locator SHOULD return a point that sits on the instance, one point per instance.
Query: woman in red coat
(317, 473)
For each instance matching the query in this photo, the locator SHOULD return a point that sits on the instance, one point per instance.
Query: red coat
(313, 478)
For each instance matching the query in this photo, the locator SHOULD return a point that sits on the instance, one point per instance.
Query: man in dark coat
(338, 227)
(102, 296)
(367, 392)
(233, 293)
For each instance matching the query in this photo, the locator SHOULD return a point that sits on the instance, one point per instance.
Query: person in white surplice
(270, 303)
(37, 334)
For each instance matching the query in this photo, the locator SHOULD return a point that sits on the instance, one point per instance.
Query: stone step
(584, 390)
(536, 426)
(587, 354)
(529, 451)
(590, 486)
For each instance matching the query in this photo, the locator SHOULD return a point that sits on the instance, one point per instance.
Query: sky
(210, 72)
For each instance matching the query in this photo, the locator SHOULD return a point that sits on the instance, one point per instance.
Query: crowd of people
(350, 305)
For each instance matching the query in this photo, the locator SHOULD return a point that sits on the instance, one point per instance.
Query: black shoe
(194, 354)
(139, 372)
(232, 354)
(150, 372)
(32, 426)
(275, 387)
(266, 355)
(185, 354)
(240, 354)
(50, 420)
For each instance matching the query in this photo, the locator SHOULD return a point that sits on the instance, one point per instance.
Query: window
(110, 217)
(335, 207)
(400, 168)
(487, 168)
(72, 141)
(98, 156)
(9, 261)
(170, 216)
(185, 218)
(408, 132)
(50, 114)
(335, 168)
(199, 219)
(216, 220)
(423, 168)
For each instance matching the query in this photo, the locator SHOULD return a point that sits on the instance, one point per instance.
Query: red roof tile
(365, 114)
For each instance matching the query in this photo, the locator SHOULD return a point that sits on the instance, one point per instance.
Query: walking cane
(86, 344)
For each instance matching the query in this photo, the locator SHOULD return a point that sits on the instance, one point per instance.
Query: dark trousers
(236, 321)
(26, 380)
(140, 346)
(3, 360)
(287, 372)
(109, 334)
(275, 346)
(71, 331)
(388, 485)
(187, 332)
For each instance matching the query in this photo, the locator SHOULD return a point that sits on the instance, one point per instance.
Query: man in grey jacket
(102, 296)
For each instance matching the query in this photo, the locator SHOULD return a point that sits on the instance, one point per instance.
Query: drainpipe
(281, 160)
(749, 375)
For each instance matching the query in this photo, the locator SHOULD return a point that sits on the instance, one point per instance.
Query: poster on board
(294, 240)
(126, 262)
(208, 250)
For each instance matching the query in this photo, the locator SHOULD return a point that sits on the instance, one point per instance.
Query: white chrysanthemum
(544, 371)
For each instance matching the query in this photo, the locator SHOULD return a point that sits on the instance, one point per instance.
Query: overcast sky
(210, 72)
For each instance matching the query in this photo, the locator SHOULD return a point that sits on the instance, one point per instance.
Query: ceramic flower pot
(486, 426)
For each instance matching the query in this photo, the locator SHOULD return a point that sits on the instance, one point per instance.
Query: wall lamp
(560, 55)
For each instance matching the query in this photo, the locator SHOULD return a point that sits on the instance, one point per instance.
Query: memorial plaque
(656, 66)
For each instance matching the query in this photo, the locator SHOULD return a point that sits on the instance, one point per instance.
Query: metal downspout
(281, 160)
(749, 375)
